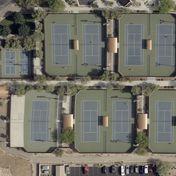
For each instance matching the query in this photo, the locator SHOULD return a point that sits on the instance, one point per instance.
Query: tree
(67, 136)
(106, 76)
(29, 44)
(5, 31)
(59, 152)
(85, 79)
(147, 91)
(165, 6)
(17, 17)
(38, 36)
(39, 27)
(56, 5)
(72, 89)
(49, 88)
(39, 53)
(114, 76)
(29, 88)
(116, 14)
(106, 13)
(24, 30)
(7, 43)
(142, 140)
(109, 87)
(28, 3)
(136, 90)
(120, 86)
(39, 88)
(39, 14)
(20, 90)
(154, 87)
(163, 167)
(61, 91)
(41, 79)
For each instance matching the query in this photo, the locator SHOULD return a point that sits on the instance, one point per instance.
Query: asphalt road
(95, 171)
(4, 4)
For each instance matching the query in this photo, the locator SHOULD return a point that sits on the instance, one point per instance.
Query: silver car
(122, 170)
(136, 169)
(127, 169)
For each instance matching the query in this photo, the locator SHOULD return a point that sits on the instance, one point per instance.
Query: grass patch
(28, 20)
(59, 152)
(142, 151)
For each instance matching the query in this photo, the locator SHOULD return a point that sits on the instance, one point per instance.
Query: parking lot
(95, 171)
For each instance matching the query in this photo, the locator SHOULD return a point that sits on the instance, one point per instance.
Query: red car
(150, 169)
(86, 169)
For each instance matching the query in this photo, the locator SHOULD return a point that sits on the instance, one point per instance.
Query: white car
(127, 169)
(136, 169)
(146, 169)
(122, 170)
(45, 167)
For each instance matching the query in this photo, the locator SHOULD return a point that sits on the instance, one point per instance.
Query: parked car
(150, 169)
(127, 169)
(122, 170)
(46, 172)
(131, 169)
(45, 167)
(141, 169)
(104, 169)
(136, 169)
(113, 169)
(86, 169)
(67, 169)
(146, 169)
(154, 169)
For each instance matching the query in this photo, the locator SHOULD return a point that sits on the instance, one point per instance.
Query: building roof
(76, 44)
(67, 121)
(60, 171)
(105, 121)
(4, 92)
(125, 3)
(149, 44)
(112, 45)
(142, 121)
(17, 121)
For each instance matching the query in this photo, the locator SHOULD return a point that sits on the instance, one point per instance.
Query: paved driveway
(95, 171)
(4, 4)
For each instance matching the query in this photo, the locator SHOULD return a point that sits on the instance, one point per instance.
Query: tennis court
(92, 44)
(121, 130)
(40, 121)
(90, 111)
(165, 51)
(60, 44)
(164, 125)
(24, 63)
(10, 62)
(133, 49)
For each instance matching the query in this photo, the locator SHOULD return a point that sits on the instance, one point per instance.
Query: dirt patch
(5, 172)
(17, 166)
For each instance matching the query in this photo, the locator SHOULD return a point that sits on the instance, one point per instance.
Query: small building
(60, 171)
(142, 121)
(76, 44)
(67, 121)
(105, 121)
(112, 45)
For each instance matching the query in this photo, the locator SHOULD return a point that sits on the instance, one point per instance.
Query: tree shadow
(54, 135)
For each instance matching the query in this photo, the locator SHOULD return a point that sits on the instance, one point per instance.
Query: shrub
(120, 86)
(142, 140)
(1, 104)
(67, 136)
(41, 79)
(17, 17)
(49, 88)
(139, 109)
(39, 14)
(72, 89)
(24, 30)
(123, 79)
(106, 76)
(106, 13)
(20, 90)
(59, 152)
(136, 90)
(5, 31)
(130, 79)
(39, 88)
(39, 53)
(29, 44)
(109, 87)
(61, 91)
(29, 88)
(165, 6)
(114, 76)
(92, 87)
(163, 167)
(142, 151)
(56, 5)
(147, 91)
(95, 5)
(38, 36)
(48, 78)
(58, 78)
(85, 79)
(7, 43)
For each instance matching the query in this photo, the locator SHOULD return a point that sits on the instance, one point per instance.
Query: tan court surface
(40, 146)
(76, 22)
(161, 147)
(106, 99)
(149, 22)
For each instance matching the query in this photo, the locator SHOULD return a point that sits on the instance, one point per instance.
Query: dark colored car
(86, 169)
(141, 169)
(154, 169)
(104, 169)
(113, 169)
(150, 169)
(131, 169)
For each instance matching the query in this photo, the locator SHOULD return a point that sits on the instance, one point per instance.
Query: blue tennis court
(133, 45)
(92, 44)
(90, 111)
(165, 51)
(121, 131)
(164, 121)
(61, 44)
(40, 121)
(10, 60)
(25, 63)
